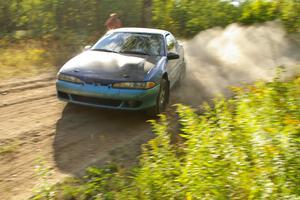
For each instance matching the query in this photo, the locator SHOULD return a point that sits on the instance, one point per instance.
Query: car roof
(141, 30)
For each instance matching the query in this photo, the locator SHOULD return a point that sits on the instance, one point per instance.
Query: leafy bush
(188, 17)
(247, 147)
(256, 11)
(243, 148)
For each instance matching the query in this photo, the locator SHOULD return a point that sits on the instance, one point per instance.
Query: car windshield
(131, 43)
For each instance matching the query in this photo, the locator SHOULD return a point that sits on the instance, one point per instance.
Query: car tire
(162, 99)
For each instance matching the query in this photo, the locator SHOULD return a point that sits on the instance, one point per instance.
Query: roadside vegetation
(246, 147)
(20, 60)
(37, 34)
(9, 147)
(186, 18)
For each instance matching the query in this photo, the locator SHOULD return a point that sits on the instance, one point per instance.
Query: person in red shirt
(113, 22)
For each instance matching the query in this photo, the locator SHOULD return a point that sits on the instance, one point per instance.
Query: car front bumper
(106, 96)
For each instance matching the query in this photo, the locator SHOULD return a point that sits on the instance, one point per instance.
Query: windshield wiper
(134, 52)
(105, 50)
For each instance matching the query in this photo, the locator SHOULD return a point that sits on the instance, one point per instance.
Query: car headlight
(134, 85)
(68, 78)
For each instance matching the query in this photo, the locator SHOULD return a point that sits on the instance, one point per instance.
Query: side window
(171, 43)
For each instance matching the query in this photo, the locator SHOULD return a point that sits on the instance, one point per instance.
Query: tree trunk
(146, 13)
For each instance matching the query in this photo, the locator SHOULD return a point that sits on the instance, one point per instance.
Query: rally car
(128, 68)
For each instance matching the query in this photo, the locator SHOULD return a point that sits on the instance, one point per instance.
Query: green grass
(247, 147)
(10, 147)
(19, 61)
(28, 57)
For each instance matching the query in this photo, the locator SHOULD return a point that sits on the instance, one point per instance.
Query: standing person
(113, 22)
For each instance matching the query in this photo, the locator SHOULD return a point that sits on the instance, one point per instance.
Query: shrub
(243, 148)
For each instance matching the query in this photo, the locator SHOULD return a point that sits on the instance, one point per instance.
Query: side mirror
(88, 47)
(172, 56)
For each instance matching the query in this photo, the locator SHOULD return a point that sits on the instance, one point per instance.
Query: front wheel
(162, 99)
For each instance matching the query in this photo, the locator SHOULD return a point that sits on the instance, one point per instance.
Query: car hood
(106, 67)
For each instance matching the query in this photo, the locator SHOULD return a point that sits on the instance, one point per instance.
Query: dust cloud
(218, 58)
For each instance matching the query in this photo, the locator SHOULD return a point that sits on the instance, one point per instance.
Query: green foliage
(188, 17)
(66, 26)
(44, 189)
(243, 148)
(183, 17)
(14, 59)
(247, 147)
(9, 147)
(63, 28)
(56, 17)
(105, 183)
(288, 11)
(159, 161)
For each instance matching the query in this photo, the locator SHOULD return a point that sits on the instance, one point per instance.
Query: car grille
(96, 82)
(99, 101)
(63, 95)
(96, 100)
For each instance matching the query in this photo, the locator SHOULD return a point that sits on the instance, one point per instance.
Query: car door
(173, 66)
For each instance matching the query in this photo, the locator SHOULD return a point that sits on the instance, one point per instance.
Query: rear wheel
(162, 99)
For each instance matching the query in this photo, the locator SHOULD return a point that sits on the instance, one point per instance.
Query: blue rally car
(128, 68)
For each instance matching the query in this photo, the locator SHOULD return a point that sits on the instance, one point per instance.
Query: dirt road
(35, 126)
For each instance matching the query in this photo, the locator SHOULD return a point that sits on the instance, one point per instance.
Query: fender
(156, 73)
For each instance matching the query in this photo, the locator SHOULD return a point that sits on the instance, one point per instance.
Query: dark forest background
(52, 18)
(52, 31)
